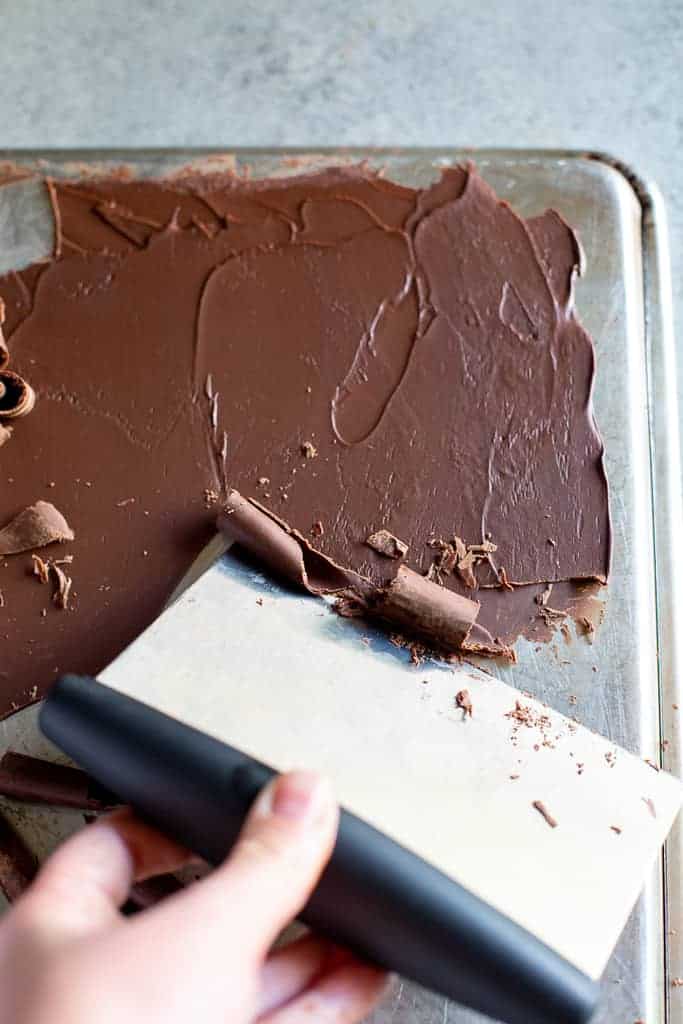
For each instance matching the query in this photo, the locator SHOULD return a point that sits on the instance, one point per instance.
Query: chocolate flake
(317, 529)
(5, 434)
(544, 812)
(36, 527)
(650, 806)
(385, 543)
(464, 701)
(41, 569)
(62, 592)
(616, 829)
(468, 556)
(309, 450)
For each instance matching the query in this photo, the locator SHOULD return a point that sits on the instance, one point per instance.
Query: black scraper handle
(375, 897)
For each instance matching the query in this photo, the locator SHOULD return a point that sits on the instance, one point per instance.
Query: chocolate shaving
(544, 812)
(36, 527)
(18, 865)
(650, 806)
(5, 434)
(463, 557)
(283, 550)
(62, 590)
(36, 781)
(309, 450)
(41, 569)
(441, 617)
(464, 701)
(385, 543)
(616, 829)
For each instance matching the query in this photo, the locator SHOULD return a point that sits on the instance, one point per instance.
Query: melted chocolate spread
(353, 354)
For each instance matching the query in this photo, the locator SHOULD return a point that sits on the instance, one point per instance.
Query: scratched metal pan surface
(623, 687)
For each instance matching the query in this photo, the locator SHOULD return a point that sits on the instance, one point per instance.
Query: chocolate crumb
(2, 599)
(210, 497)
(616, 829)
(263, 481)
(5, 434)
(513, 777)
(385, 543)
(124, 502)
(650, 806)
(309, 450)
(545, 813)
(317, 529)
(573, 700)
(464, 701)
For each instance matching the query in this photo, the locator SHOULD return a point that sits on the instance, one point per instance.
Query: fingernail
(302, 797)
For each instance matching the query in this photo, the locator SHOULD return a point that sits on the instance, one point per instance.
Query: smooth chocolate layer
(354, 355)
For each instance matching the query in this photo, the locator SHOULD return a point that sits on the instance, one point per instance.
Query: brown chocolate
(423, 342)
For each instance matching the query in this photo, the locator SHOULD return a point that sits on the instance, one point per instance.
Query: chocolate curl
(35, 781)
(283, 549)
(438, 616)
(18, 866)
(36, 527)
(17, 398)
(442, 618)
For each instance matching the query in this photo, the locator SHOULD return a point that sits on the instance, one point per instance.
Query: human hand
(68, 956)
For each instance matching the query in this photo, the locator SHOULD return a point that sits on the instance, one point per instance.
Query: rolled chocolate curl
(436, 615)
(282, 549)
(444, 620)
(17, 397)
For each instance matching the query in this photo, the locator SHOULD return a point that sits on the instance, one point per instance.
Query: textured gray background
(591, 74)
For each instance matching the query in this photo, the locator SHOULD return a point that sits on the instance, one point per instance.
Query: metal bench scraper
(493, 857)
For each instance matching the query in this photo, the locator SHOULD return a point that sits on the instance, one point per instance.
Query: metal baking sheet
(627, 682)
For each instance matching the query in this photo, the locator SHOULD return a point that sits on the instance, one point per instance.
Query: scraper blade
(492, 800)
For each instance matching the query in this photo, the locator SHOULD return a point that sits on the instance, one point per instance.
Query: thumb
(286, 842)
